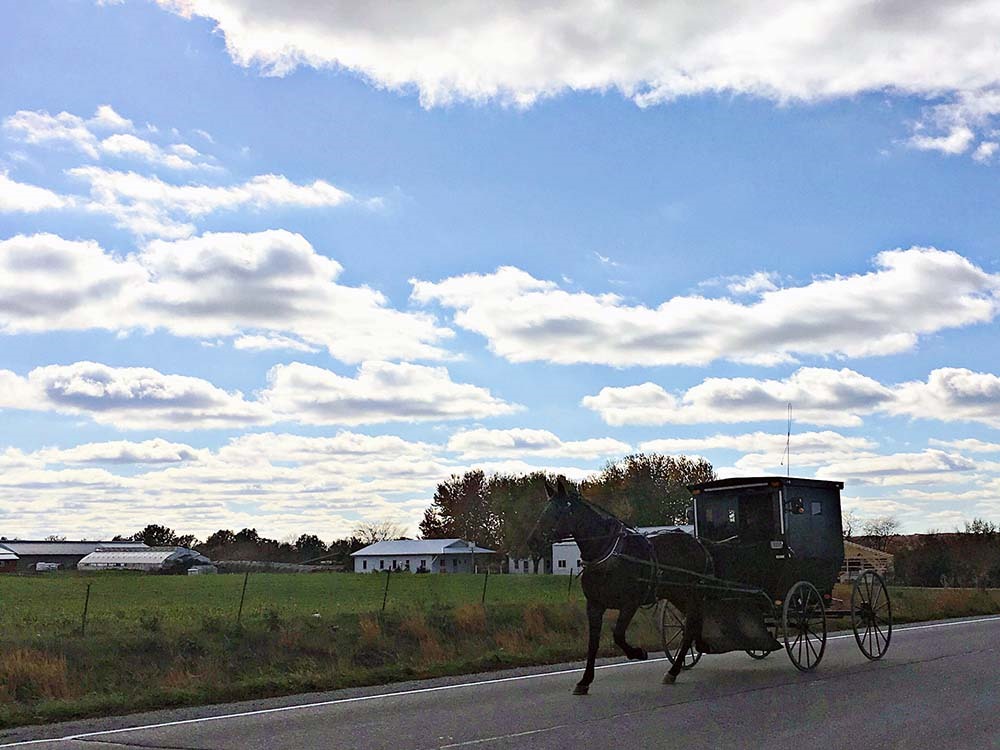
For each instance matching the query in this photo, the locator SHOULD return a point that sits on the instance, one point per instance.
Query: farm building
(8, 561)
(149, 559)
(65, 554)
(858, 559)
(526, 565)
(430, 555)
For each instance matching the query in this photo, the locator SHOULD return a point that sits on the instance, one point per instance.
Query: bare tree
(880, 530)
(850, 522)
(370, 532)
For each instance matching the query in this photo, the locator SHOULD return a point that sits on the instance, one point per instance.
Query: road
(938, 687)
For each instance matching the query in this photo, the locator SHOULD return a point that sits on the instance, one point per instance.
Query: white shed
(430, 555)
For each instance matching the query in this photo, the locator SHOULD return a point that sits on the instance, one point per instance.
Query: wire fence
(102, 603)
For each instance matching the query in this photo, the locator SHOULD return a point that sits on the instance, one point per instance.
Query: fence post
(243, 596)
(86, 608)
(486, 580)
(385, 596)
(569, 589)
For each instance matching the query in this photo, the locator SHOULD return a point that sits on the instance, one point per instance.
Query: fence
(90, 604)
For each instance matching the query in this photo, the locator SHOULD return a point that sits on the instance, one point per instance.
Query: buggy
(777, 547)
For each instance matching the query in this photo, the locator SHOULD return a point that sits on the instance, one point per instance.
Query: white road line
(415, 691)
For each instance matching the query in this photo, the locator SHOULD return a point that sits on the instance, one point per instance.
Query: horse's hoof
(669, 679)
(581, 689)
(642, 655)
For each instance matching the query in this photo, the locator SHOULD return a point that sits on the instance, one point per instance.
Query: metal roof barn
(65, 554)
(150, 559)
(8, 561)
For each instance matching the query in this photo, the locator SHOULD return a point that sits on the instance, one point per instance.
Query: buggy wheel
(804, 619)
(871, 615)
(671, 626)
(758, 654)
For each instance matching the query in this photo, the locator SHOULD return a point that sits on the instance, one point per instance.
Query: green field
(124, 601)
(157, 641)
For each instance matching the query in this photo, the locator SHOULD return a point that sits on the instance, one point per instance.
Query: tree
(850, 522)
(648, 489)
(310, 547)
(55, 538)
(461, 509)
(517, 500)
(881, 530)
(370, 532)
(980, 526)
(155, 535)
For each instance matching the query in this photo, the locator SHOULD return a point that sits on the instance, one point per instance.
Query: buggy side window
(817, 507)
(757, 523)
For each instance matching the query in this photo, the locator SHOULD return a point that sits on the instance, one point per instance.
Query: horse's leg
(595, 618)
(625, 615)
(692, 624)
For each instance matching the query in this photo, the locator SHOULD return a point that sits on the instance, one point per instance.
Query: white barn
(431, 555)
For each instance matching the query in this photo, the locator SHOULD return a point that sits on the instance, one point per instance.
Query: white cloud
(148, 206)
(808, 448)
(130, 397)
(956, 141)
(155, 451)
(134, 398)
(928, 466)
(755, 283)
(984, 151)
(179, 156)
(911, 293)
(483, 443)
(254, 286)
(105, 118)
(269, 342)
(21, 197)
(381, 392)
(48, 283)
(521, 51)
(951, 393)
(41, 128)
(817, 395)
(968, 445)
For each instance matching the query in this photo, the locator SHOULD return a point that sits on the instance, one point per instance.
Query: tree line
(498, 511)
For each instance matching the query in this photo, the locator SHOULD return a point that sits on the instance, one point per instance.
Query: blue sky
(390, 256)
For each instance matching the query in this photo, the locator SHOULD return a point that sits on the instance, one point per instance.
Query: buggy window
(756, 514)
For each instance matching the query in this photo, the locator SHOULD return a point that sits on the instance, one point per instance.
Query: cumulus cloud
(155, 451)
(928, 466)
(818, 396)
(952, 393)
(148, 206)
(256, 286)
(768, 449)
(24, 198)
(381, 392)
(968, 445)
(129, 397)
(483, 443)
(178, 156)
(911, 293)
(132, 398)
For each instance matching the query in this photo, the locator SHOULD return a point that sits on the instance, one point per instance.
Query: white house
(566, 555)
(526, 565)
(431, 555)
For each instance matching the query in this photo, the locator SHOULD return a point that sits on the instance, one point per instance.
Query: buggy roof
(741, 482)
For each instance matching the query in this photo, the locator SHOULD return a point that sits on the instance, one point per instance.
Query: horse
(621, 571)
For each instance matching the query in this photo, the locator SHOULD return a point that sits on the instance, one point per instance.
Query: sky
(287, 266)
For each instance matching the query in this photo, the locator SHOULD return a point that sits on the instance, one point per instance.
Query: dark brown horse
(623, 570)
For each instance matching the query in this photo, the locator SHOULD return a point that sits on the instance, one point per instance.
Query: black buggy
(777, 545)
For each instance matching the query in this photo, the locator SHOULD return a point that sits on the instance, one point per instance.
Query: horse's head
(555, 521)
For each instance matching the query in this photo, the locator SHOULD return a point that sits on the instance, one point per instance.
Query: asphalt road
(938, 687)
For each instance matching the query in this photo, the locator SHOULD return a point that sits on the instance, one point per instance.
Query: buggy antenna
(786, 457)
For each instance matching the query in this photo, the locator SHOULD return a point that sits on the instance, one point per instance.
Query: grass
(169, 641)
